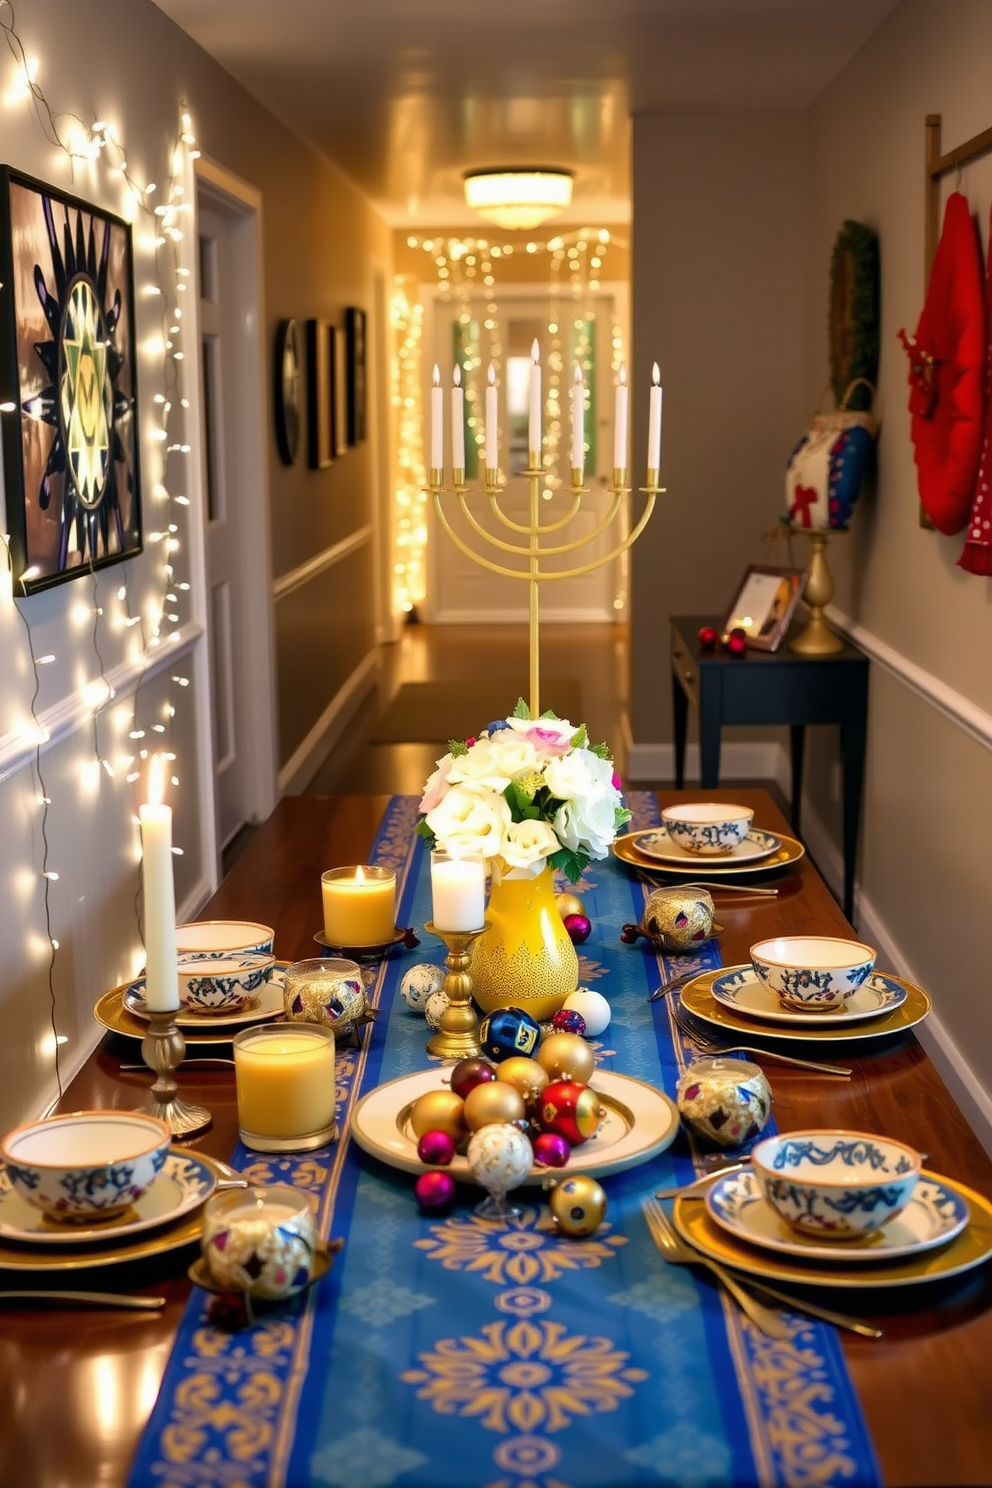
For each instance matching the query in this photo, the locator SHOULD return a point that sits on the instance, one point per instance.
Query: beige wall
(125, 62)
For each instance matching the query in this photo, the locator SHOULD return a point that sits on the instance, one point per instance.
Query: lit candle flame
(578, 373)
(436, 379)
(359, 875)
(622, 375)
(491, 375)
(457, 376)
(656, 374)
(535, 351)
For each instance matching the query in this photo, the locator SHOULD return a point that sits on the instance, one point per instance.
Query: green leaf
(521, 710)
(424, 831)
(621, 817)
(569, 863)
(601, 751)
(550, 713)
(580, 739)
(457, 747)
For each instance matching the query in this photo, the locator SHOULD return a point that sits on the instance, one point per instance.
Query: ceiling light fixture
(512, 197)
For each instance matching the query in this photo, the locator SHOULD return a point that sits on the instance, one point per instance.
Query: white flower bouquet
(526, 792)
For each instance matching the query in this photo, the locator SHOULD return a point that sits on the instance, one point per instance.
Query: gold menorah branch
(533, 548)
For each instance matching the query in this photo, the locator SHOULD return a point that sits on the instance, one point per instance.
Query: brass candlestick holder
(457, 1036)
(163, 1049)
(817, 639)
(527, 541)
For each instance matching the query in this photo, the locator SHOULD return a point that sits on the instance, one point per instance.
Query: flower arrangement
(525, 792)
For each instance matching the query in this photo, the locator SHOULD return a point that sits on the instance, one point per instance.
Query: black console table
(774, 687)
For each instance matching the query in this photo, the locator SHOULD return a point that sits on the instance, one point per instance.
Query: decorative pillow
(947, 373)
(827, 467)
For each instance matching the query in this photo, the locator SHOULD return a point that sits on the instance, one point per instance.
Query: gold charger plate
(697, 998)
(970, 1248)
(85, 1257)
(640, 1121)
(112, 1012)
(701, 868)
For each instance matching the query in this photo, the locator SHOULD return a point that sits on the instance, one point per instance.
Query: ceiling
(406, 95)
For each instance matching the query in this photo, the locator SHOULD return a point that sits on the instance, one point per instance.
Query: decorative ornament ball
(499, 1157)
(736, 641)
(551, 1150)
(495, 1103)
(419, 982)
(438, 1110)
(571, 1109)
(727, 1100)
(436, 1148)
(592, 1008)
(579, 928)
(468, 1073)
(569, 904)
(566, 1056)
(435, 1192)
(709, 637)
(567, 1020)
(679, 918)
(526, 1076)
(435, 1008)
(508, 1032)
(578, 1205)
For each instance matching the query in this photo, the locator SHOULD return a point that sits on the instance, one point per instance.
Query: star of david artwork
(67, 378)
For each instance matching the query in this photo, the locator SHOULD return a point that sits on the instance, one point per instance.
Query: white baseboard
(738, 761)
(307, 759)
(964, 1085)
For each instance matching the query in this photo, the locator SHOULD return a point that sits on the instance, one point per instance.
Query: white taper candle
(437, 421)
(534, 423)
(620, 422)
(458, 422)
(492, 425)
(654, 420)
(161, 958)
(578, 421)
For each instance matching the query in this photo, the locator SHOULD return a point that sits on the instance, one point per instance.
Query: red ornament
(736, 642)
(435, 1192)
(551, 1150)
(468, 1073)
(567, 1020)
(709, 637)
(570, 1109)
(578, 927)
(436, 1147)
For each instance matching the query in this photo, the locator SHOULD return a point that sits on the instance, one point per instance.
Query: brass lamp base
(817, 639)
(458, 1035)
(163, 1049)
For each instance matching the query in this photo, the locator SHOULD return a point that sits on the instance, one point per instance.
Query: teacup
(89, 1165)
(707, 828)
(815, 973)
(217, 940)
(221, 986)
(836, 1185)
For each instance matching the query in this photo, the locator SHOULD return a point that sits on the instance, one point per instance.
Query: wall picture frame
(287, 369)
(763, 604)
(356, 335)
(71, 456)
(339, 383)
(320, 428)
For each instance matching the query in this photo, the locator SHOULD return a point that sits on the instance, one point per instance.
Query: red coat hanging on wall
(947, 373)
(976, 555)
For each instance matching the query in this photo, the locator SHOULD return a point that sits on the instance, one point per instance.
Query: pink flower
(437, 786)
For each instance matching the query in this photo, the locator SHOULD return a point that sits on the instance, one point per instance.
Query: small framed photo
(764, 603)
(355, 335)
(320, 438)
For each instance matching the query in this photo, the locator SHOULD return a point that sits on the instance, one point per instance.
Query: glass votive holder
(458, 891)
(260, 1241)
(727, 1100)
(324, 989)
(359, 906)
(284, 1076)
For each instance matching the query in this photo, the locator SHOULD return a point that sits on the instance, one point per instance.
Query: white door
(460, 590)
(236, 548)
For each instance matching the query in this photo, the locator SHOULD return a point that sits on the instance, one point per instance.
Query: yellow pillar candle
(359, 906)
(284, 1075)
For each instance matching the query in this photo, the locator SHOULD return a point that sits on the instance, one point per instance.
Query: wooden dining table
(77, 1384)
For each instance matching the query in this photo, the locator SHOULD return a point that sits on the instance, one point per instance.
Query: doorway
(234, 499)
(459, 590)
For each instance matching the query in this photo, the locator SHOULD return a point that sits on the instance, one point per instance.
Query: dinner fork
(676, 1251)
(707, 1045)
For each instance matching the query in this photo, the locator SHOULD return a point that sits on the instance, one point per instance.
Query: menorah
(528, 541)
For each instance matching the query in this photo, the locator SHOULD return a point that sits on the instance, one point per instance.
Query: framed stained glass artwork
(68, 382)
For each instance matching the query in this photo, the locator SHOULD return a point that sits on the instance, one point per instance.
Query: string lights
(158, 216)
(467, 270)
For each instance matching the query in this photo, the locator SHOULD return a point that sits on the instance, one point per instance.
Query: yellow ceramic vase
(526, 958)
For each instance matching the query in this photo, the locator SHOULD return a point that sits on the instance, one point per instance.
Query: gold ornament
(493, 1102)
(525, 1075)
(439, 1110)
(566, 1056)
(578, 1205)
(569, 904)
(678, 920)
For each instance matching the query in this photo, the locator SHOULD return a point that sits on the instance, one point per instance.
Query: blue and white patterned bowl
(216, 940)
(707, 828)
(815, 973)
(87, 1166)
(221, 986)
(837, 1185)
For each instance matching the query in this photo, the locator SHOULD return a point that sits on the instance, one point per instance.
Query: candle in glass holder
(359, 906)
(284, 1076)
(458, 891)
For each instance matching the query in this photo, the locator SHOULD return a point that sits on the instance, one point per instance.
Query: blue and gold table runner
(449, 1353)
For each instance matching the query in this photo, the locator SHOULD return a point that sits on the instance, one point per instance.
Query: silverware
(134, 1069)
(223, 1184)
(701, 1181)
(661, 878)
(708, 1045)
(672, 983)
(88, 1299)
(676, 1251)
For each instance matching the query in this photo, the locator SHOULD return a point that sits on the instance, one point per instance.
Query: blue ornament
(567, 1020)
(509, 1032)
(496, 726)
